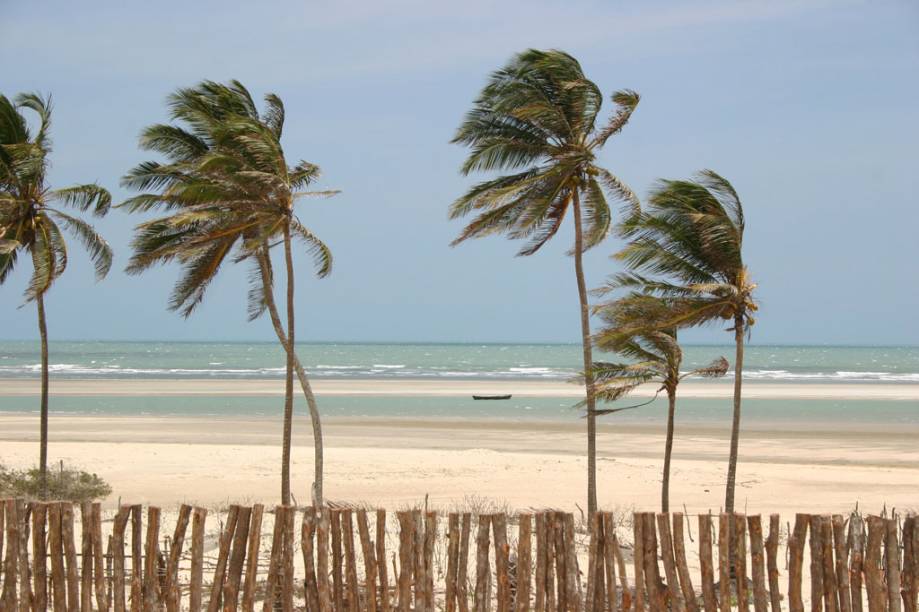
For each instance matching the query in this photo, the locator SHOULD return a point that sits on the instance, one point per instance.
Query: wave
(72, 370)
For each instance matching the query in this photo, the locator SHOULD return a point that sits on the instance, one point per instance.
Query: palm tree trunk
(735, 425)
(289, 374)
(266, 270)
(588, 361)
(43, 419)
(668, 450)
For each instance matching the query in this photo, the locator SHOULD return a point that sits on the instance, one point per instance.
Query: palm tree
(537, 117)
(690, 239)
(229, 193)
(31, 221)
(656, 358)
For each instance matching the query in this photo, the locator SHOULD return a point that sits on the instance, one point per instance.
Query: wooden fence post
(739, 541)
(70, 555)
(99, 558)
(10, 596)
(772, 562)
(571, 565)
(430, 535)
(56, 544)
(482, 571)
(322, 560)
(796, 563)
(707, 571)
(275, 569)
(524, 558)
(452, 561)
(118, 580)
(199, 516)
(677, 602)
(338, 596)
(652, 571)
(816, 553)
(842, 563)
(237, 541)
(638, 558)
(370, 561)
(39, 556)
(608, 559)
(758, 563)
(462, 570)
(830, 582)
(910, 563)
(406, 559)
(347, 531)
(382, 570)
(223, 553)
(137, 570)
(877, 594)
(855, 542)
(541, 560)
(724, 562)
(596, 536)
(420, 577)
(287, 584)
(151, 548)
(86, 557)
(310, 586)
(252, 551)
(502, 556)
(892, 558)
(172, 594)
(679, 552)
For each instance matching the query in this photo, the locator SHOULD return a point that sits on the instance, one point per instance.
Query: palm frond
(84, 197)
(100, 253)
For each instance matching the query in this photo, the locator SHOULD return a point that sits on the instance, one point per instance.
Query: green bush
(63, 483)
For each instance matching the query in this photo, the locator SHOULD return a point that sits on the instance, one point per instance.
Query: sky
(808, 107)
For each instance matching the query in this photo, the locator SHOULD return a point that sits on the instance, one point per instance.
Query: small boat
(491, 397)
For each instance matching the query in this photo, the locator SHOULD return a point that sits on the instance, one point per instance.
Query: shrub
(66, 483)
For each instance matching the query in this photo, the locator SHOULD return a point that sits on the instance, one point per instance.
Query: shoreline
(253, 387)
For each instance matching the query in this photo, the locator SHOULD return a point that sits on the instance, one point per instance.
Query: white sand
(395, 462)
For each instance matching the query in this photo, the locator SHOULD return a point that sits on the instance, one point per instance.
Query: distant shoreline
(253, 387)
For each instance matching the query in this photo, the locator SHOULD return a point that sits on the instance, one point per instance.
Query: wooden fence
(540, 561)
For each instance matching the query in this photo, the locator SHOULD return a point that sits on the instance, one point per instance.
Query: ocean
(238, 360)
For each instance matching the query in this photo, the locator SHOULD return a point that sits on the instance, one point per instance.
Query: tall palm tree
(656, 358)
(229, 193)
(537, 116)
(690, 240)
(31, 221)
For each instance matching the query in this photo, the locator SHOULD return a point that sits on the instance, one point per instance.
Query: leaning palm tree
(537, 116)
(229, 194)
(655, 357)
(31, 221)
(687, 246)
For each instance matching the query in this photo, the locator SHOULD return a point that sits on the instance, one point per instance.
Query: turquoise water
(525, 409)
(448, 361)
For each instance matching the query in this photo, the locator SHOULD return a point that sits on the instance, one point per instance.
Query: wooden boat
(491, 397)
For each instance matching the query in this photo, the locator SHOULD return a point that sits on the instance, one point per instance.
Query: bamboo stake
(322, 560)
(502, 556)
(638, 561)
(223, 553)
(856, 546)
(666, 543)
(56, 544)
(338, 596)
(70, 554)
(772, 563)
(430, 534)
(679, 552)
(452, 561)
(724, 562)
(524, 559)
(758, 563)
(462, 581)
(347, 529)
(705, 561)
(118, 582)
(98, 566)
(197, 559)
(39, 556)
(892, 550)
(481, 565)
(137, 570)
(370, 562)
(739, 539)
(796, 563)
(381, 560)
(406, 560)
(255, 542)
(877, 594)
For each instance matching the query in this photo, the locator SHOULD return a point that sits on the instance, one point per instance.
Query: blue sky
(808, 107)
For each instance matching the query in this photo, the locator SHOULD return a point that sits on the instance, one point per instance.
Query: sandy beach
(393, 462)
(445, 388)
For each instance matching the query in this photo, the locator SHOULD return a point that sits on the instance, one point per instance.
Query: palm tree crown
(539, 114)
(227, 189)
(31, 218)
